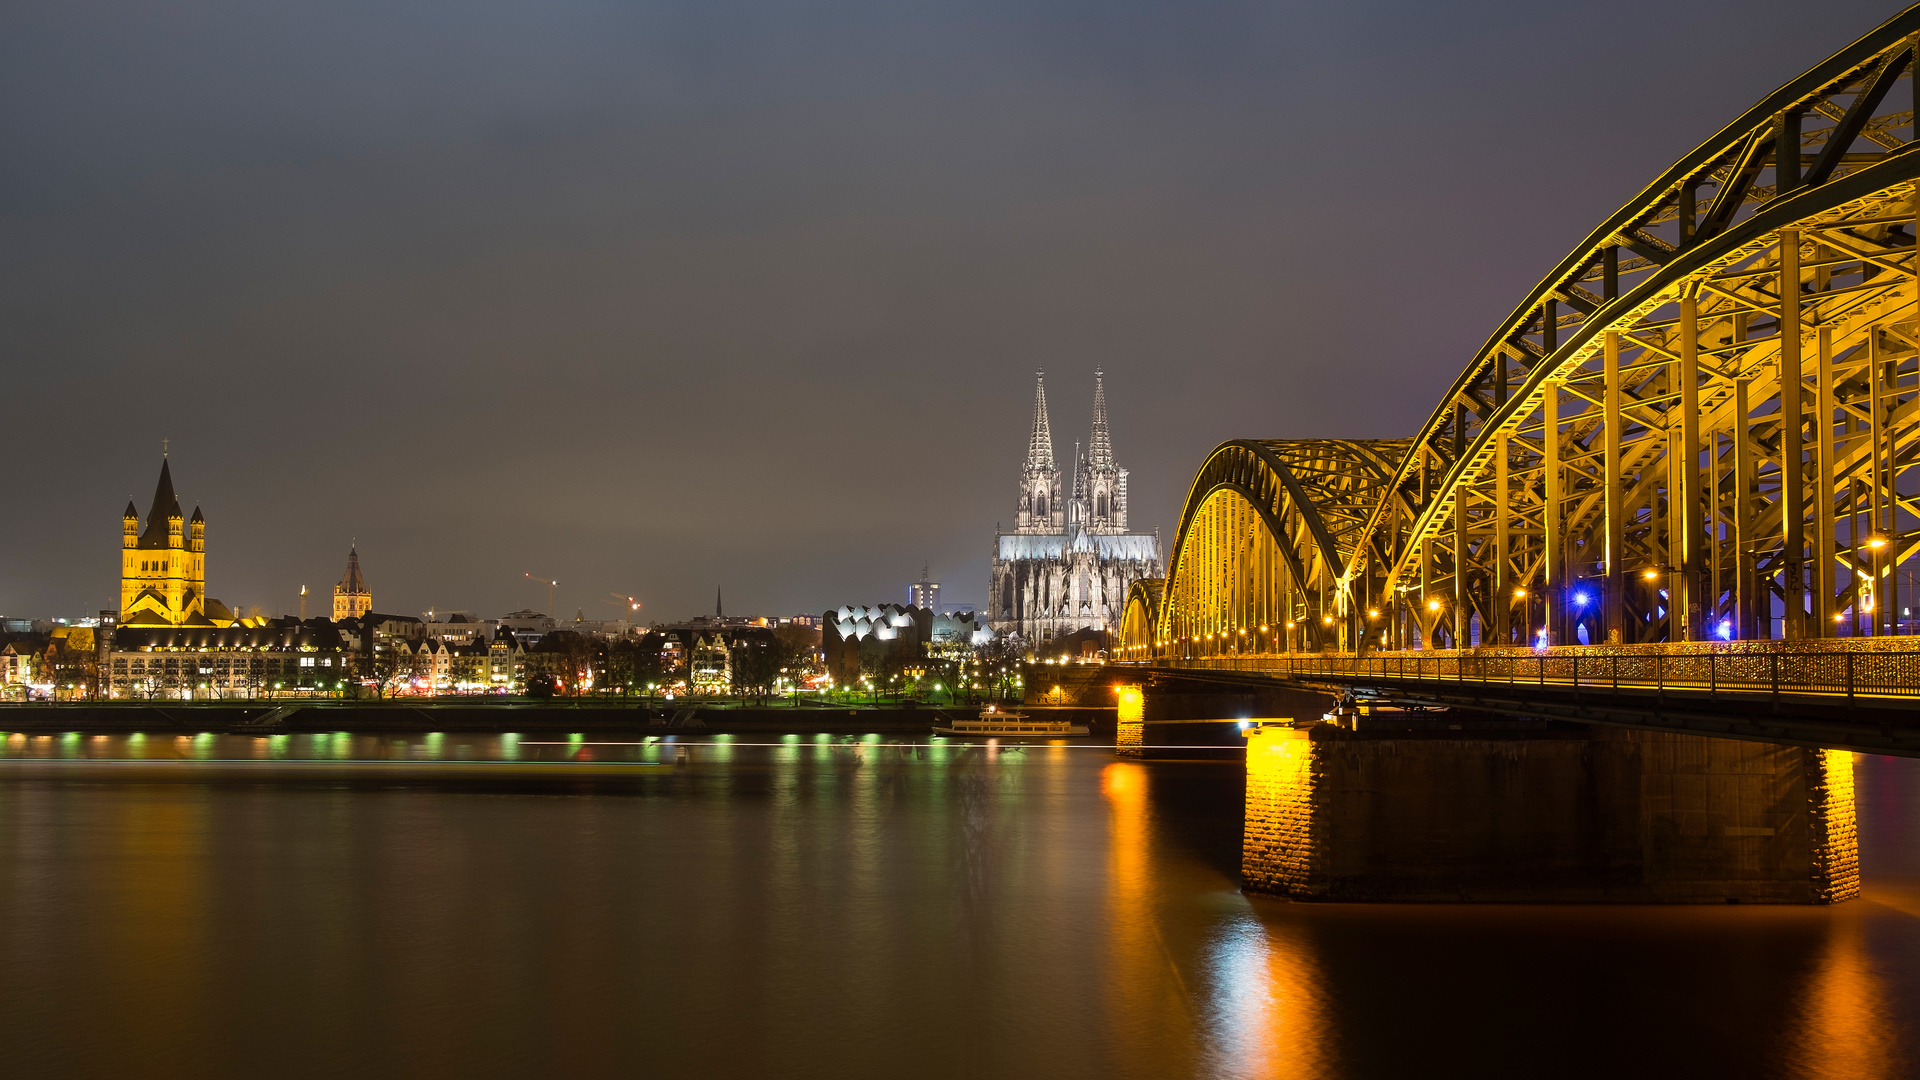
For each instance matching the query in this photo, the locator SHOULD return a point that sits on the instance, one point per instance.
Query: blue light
(1580, 599)
(1725, 629)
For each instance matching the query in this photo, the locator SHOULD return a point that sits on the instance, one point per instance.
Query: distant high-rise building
(1067, 567)
(351, 598)
(924, 593)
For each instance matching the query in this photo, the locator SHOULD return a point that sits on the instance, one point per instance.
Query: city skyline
(603, 297)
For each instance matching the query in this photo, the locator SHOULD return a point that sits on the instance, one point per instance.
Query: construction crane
(550, 587)
(631, 603)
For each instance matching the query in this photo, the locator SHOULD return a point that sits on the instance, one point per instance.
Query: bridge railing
(1819, 672)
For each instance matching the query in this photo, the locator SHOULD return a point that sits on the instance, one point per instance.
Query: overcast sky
(655, 298)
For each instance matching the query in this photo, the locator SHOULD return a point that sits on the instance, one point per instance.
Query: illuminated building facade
(711, 662)
(351, 598)
(1067, 566)
(225, 662)
(163, 570)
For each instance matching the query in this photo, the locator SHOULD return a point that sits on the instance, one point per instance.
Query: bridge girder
(1618, 462)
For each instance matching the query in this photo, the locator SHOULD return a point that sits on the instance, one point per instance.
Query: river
(802, 906)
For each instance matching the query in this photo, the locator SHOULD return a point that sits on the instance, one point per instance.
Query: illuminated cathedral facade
(1068, 563)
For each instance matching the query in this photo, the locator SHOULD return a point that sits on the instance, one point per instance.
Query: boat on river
(995, 722)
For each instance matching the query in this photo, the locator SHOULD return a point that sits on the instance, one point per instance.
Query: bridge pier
(1165, 714)
(1560, 814)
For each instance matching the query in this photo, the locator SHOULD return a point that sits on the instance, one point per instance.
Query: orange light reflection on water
(1253, 1006)
(1848, 1027)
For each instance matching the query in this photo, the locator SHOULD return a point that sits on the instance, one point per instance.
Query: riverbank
(488, 717)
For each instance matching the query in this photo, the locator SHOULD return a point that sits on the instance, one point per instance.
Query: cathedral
(1068, 563)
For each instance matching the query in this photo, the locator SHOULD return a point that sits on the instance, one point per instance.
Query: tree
(633, 665)
(622, 665)
(71, 665)
(580, 658)
(390, 667)
(880, 664)
(798, 651)
(756, 666)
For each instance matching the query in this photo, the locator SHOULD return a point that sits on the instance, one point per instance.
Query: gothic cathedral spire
(1040, 509)
(1103, 485)
(1040, 443)
(1100, 445)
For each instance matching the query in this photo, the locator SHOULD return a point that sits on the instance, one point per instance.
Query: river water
(478, 906)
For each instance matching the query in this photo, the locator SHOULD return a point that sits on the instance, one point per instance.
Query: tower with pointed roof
(1039, 509)
(351, 598)
(1101, 483)
(1067, 564)
(163, 572)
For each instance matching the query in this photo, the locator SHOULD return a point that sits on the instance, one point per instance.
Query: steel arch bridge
(1702, 424)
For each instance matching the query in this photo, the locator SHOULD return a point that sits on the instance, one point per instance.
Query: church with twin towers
(1069, 561)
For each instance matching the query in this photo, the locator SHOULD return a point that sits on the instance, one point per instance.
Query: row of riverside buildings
(169, 639)
(1059, 577)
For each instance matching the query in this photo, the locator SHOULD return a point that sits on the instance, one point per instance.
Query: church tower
(1040, 509)
(1104, 483)
(163, 574)
(351, 598)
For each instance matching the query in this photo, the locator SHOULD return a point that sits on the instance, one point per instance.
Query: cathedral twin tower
(1068, 563)
(1099, 501)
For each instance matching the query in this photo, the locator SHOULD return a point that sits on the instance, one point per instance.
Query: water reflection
(1147, 996)
(1848, 1030)
(1244, 995)
(839, 906)
(1268, 1014)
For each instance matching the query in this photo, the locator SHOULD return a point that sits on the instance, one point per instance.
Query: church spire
(165, 509)
(165, 503)
(1040, 445)
(1100, 445)
(352, 598)
(351, 581)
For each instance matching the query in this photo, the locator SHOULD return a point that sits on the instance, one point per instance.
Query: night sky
(659, 297)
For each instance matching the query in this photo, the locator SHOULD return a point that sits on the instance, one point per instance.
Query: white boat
(998, 723)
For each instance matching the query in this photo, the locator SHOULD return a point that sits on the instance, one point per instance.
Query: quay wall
(270, 717)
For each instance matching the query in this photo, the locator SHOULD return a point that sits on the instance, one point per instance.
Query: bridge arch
(1140, 619)
(1266, 532)
(1701, 424)
(1619, 461)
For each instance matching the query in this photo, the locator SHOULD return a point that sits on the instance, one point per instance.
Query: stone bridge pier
(1162, 714)
(1460, 806)
(1554, 814)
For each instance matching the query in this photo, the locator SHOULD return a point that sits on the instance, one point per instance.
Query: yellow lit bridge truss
(1703, 424)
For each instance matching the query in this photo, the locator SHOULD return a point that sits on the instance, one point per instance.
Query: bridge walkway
(1859, 694)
